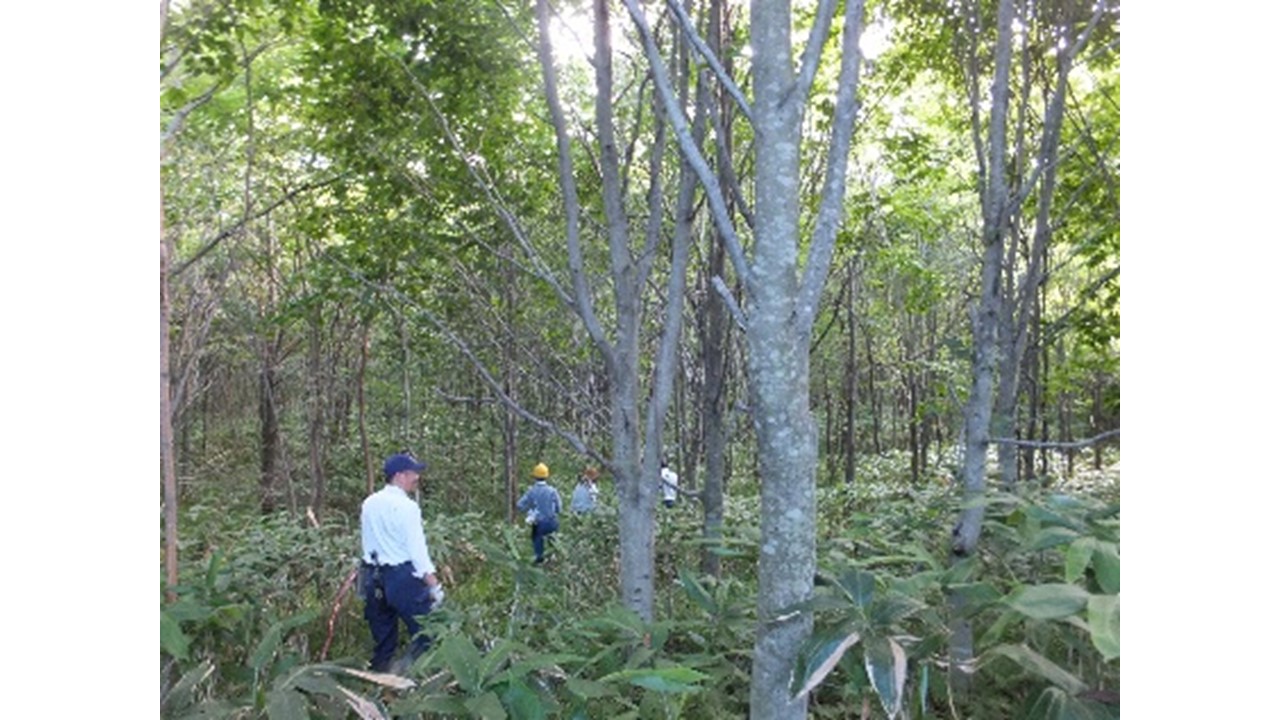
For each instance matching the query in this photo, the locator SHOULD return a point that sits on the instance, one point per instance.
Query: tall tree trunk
(850, 382)
(167, 468)
(779, 327)
(269, 431)
(714, 327)
(360, 407)
(510, 426)
(876, 405)
(316, 413)
(985, 319)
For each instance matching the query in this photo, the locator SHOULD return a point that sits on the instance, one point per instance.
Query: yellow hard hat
(540, 471)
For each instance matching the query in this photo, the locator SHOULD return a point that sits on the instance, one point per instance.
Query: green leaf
(664, 680)
(172, 639)
(1078, 556)
(588, 689)
(522, 702)
(487, 706)
(1054, 704)
(1106, 567)
(538, 662)
(978, 594)
(859, 585)
(1104, 624)
(886, 664)
(464, 662)
(1040, 665)
(1048, 601)
(1051, 537)
(819, 658)
(696, 591)
(286, 705)
(493, 659)
(889, 611)
(439, 704)
(274, 636)
(182, 694)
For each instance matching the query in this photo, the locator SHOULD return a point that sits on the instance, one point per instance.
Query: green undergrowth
(267, 623)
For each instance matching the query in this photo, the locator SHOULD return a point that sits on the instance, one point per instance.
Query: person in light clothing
(585, 494)
(398, 579)
(670, 485)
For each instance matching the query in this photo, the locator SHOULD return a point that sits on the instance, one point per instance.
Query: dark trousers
(541, 530)
(391, 594)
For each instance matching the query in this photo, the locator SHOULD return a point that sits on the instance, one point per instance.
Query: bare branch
(727, 295)
(701, 46)
(239, 226)
(829, 210)
(689, 148)
(180, 117)
(1058, 445)
(461, 345)
(799, 93)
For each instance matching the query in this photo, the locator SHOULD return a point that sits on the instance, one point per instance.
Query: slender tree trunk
(510, 424)
(876, 405)
(978, 411)
(779, 328)
(269, 431)
(360, 408)
(851, 382)
(167, 468)
(316, 414)
(715, 326)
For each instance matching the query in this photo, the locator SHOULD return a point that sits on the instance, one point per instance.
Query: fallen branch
(333, 615)
(1057, 445)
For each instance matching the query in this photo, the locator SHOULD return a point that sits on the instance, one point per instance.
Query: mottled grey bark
(779, 323)
(714, 328)
(985, 319)
(1020, 298)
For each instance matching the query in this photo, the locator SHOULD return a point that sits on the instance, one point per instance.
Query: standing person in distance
(670, 485)
(585, 494)
(542, 503)
(398, 579)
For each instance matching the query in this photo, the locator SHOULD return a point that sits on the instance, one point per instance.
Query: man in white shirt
(670, 485)
(398, 579)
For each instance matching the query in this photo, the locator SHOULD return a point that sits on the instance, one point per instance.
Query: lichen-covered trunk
(636, 503)
(786, 435)
(986, 320)
(167, 466)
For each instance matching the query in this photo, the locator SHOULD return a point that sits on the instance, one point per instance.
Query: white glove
(437, 594)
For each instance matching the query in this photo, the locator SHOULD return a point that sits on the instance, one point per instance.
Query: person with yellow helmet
(542, 503)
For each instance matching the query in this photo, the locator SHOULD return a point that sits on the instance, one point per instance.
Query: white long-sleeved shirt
(391, 525)
(670, 481)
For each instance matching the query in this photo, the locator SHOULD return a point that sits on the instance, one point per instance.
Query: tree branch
(823, 243)
(799, 92)
(462, 346)
(701, 46)
(236, 228)
(689, 149)
(1058, 445)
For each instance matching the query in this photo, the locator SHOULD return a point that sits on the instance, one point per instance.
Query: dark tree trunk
(169, 475)
(850, 381)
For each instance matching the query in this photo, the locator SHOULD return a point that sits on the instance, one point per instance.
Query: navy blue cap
(400, 463)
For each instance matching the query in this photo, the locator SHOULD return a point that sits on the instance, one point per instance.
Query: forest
(850, 269)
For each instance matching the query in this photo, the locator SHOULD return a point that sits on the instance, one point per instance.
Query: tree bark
(360, 408)
(169, 475)
(714, 326)
(779, 327)
(978, 410)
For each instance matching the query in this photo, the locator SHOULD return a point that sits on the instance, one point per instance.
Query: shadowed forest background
(851, 267)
